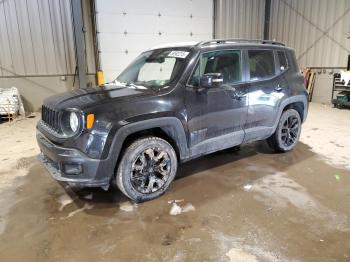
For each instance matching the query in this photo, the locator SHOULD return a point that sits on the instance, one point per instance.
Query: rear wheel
(146, 169)
(287, 132)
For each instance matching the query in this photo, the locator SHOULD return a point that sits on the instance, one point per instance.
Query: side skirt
(216, 144)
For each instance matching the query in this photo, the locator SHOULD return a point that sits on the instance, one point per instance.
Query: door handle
(278, 88)
(234, 93)
(239, 95)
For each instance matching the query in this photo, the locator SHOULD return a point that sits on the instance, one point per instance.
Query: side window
(227, 63)
(261, 64)
(283, 60)
(194, 81)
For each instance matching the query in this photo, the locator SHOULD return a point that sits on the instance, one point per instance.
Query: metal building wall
(36, 38)
(239, 19)
(316, 29)
(37, 51)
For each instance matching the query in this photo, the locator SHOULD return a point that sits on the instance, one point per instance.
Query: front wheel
(287, 132)
(146, 169)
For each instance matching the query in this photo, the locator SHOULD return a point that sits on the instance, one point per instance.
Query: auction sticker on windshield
(178, 54)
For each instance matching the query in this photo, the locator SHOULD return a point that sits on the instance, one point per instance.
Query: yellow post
(100, 79)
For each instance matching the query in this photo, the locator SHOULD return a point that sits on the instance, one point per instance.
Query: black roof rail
(239, 40)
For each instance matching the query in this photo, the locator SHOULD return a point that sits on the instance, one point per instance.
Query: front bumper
(72, 166)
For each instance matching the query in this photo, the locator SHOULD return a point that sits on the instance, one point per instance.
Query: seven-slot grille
(51, 118)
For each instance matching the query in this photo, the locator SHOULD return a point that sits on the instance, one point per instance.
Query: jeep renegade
(172, 104)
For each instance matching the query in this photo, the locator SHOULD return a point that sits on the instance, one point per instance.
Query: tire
(287, 132)
(146, 169)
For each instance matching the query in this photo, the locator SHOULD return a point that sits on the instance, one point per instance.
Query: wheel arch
(299, 103)
(161, 132)
(167, 128)
(298, 106)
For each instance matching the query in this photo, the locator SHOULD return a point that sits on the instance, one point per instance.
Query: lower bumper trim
(53, 170)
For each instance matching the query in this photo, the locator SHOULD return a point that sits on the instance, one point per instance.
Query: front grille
(51, 118)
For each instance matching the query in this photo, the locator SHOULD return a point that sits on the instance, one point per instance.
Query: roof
(179, 44)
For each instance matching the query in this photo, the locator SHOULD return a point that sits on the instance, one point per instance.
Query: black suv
(172, 104)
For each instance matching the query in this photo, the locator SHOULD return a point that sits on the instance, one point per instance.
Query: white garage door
(128, 27)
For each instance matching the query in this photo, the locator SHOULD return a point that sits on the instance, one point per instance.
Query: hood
(89, 97)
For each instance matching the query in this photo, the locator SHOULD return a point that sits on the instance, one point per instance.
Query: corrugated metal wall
(37, 50)
(317, 30)
(36, 38)
(239, 18)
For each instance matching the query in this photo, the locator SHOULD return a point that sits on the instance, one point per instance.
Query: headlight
(71, 122)
(74, 121)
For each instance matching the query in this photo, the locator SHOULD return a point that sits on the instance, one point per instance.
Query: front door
(217, 115)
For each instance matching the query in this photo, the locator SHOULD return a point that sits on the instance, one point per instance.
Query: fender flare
(290, 100)
(171, 125)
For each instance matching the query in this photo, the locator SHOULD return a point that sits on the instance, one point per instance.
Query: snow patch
(247, 187)
(126, 207)
(64, 200)
(238, 255)
(177, 210)
(188, 207)
(88, 197)
(176, 201)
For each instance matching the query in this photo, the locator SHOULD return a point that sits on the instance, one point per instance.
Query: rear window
(283, 60)
(261, 64)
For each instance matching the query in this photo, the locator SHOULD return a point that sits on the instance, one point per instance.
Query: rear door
(266, 91)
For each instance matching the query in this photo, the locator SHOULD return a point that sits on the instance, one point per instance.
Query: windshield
(155, 68)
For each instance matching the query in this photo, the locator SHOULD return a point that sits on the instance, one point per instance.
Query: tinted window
(227, 62)
(195, 76)
(283, 60)
(261, 64)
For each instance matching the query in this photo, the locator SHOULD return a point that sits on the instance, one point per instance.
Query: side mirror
(211, 80)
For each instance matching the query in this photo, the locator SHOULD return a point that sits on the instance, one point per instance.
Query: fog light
(73, 169)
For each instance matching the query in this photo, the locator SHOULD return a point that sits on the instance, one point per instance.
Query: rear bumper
(72, 166)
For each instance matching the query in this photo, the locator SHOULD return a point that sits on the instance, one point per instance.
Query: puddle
(280, 191)
(73, 213)
(216, 219)
(246, 248)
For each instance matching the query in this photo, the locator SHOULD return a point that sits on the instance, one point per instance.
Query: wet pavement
(246, 205)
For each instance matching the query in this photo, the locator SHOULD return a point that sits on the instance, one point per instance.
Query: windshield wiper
(131, 84)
